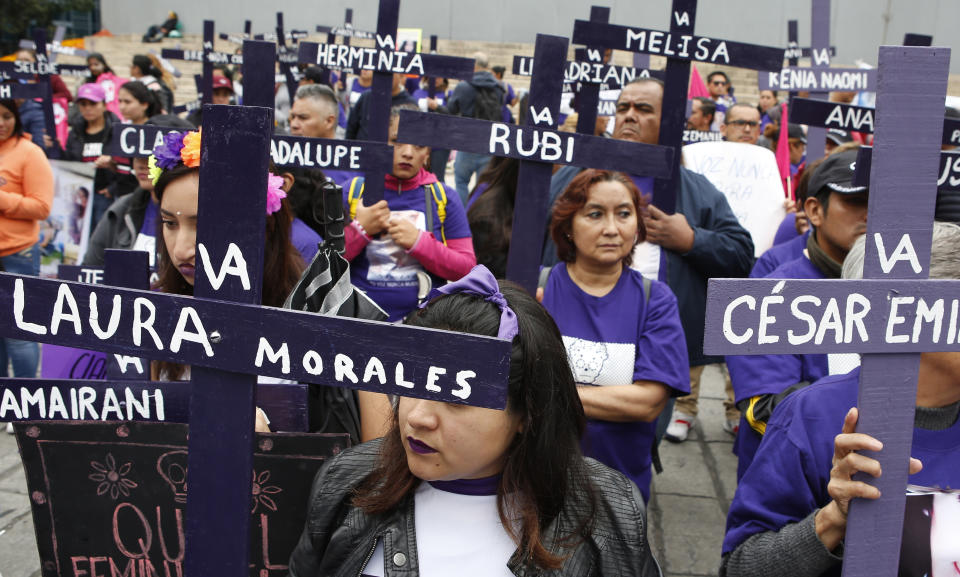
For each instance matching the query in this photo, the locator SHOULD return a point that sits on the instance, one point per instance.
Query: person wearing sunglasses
(721, 91)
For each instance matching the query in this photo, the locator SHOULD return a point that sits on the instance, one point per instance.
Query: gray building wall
(858, 27)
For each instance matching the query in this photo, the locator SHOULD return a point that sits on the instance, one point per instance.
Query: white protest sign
(747, 175)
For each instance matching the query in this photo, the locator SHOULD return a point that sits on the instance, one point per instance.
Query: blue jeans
(25, 355)
(466, 164)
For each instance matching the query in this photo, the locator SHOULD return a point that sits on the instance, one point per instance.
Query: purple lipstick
(419, 447)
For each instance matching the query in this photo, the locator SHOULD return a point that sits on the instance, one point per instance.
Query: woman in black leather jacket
(455, 489)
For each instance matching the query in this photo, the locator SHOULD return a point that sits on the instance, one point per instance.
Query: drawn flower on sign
(262, 492)
(112, 480)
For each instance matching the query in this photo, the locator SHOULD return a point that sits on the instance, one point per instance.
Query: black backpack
(488, 103)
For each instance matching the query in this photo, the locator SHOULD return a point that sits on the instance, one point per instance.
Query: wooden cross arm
(26, 70)
(345, 56)
(832, 115)
(197, 56)
(948, 177)
(329, 153)
(359, 354)
(531, 143)
(682, 46)
(22, 91)
(774, 317)
(582, 71)
(121, 400)
(322, 153)
(820, 79)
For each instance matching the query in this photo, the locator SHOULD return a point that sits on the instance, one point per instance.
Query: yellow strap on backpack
(441, 203)
(439, 200)
(353, 197)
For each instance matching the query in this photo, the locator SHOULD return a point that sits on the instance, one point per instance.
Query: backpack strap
(439, 194)
(544, 275)
(655, 449)
(353, 196)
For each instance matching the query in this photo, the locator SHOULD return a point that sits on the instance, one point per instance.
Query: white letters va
(233, 263)
(903, 252)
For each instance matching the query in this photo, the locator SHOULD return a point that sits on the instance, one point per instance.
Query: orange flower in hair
(190, 153)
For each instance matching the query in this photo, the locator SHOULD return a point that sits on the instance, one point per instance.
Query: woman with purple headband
(459, 490)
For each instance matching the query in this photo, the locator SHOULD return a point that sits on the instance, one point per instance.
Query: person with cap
(741, 124)
(837, 211)
(789, 515)
(222, 94)
(88, 140)
(836, 137)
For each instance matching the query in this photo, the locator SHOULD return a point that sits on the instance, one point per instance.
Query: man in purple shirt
(838, 215)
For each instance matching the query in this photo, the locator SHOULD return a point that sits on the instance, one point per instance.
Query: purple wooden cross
(741, 320)
(820, 55)
(823, 114)
(347, 31)
(207, 56)
(258, 66)
(128, 269)
(287, 58)
(538, 146)
(384, 61)
(589, 95)
(948, 176)
(323, 153)
(680, 47)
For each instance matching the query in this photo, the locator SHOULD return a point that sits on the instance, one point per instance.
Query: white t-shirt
(456, 535)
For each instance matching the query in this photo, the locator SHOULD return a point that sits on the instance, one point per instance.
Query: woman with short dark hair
(622, 331)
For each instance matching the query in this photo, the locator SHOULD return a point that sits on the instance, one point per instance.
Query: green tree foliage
(20, 16)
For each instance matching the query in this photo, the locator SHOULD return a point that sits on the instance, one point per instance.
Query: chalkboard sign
(110, 498)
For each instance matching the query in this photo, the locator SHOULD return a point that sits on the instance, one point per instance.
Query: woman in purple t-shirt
(622, 332)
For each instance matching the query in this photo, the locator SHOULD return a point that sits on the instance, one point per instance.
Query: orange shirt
(26, 193)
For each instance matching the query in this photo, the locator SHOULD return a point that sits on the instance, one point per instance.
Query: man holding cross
(702, 239)
(789, 515)
(838, 215)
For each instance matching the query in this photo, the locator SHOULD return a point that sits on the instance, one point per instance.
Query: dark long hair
(143, 95)
(106, 67)
(282, 263)
(11, 105)
(544, 471)
(575, 197)
(491, 215)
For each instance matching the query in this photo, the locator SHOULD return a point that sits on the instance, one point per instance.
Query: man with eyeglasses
(741, 124)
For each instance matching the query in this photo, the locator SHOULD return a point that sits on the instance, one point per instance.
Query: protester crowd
(605, 366)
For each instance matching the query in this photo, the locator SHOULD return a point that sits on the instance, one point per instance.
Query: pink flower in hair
(275, 193)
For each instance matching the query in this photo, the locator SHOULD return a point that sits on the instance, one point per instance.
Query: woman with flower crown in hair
(175, 172)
